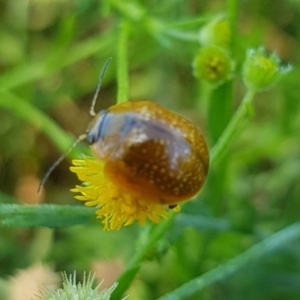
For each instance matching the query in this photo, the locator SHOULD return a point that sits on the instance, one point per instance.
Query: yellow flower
(115, 205)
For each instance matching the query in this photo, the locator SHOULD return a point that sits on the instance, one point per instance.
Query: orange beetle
(150, 151)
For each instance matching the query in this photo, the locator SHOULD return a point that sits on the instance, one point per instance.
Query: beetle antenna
(60, 159)
(82, 136)
(92, 110)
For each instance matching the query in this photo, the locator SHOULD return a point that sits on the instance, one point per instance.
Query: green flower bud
(213, 65)
(261, 71)
(217, 32)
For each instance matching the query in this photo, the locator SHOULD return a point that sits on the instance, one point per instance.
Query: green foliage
(240, 238)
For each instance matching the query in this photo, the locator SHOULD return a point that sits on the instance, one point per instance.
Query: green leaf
(48, 215)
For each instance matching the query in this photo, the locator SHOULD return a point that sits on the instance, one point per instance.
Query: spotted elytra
(150, 151)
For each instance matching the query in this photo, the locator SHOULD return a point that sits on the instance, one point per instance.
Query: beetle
(150, 151)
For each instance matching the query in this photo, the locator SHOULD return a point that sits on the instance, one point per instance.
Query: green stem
(157, 231)
(232, 12)
(122, 63)
(219, 115)
(41, 245)
(283, 237)
(232, 128)
(47, 215)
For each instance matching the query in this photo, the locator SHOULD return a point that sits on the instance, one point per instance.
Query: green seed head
(261, 71)
(213, 65)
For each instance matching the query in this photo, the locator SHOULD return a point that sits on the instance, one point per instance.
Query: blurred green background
(51, 53)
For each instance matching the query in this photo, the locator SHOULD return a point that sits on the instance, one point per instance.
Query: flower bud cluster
(213, 63)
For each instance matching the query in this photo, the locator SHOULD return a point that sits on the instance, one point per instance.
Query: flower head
(116, 206)
(213, 65)
(261, 71)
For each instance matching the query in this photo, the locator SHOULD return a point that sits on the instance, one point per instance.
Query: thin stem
(232, 12)
(122, 63)
(41, 244)
(283, 237)
(232, 128)
(156, 232)
(50, 215)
